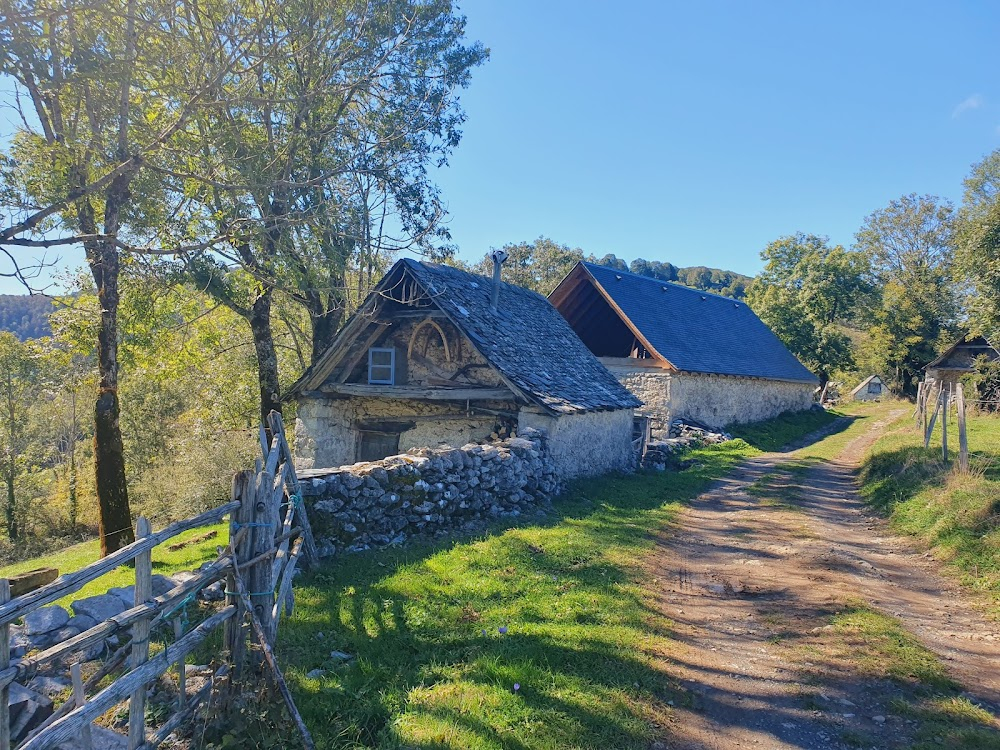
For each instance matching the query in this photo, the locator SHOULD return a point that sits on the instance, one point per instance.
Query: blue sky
(696, 133)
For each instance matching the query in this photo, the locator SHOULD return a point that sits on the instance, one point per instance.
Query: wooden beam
(22, 583)
(429, 312)
(345, 373)
(419, 393)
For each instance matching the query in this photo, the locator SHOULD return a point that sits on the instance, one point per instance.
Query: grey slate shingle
(526, 339)
(700, 332)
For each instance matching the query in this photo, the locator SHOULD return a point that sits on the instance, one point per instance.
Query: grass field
(541, 636)
(165, 562)
(956, 515)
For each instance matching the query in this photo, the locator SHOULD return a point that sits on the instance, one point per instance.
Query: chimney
(498, 256)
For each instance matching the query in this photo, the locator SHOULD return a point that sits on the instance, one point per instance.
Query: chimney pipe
(498, 256)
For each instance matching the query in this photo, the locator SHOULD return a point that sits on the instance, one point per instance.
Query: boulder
(100, 607)
(45, 620)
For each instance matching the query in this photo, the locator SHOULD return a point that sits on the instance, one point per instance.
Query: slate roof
(700, 332)
(525, 339)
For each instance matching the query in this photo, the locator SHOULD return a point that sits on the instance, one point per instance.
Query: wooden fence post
(918, 412)
(80, 699)
(933, 419)
(963, 436)
(944, 425)
(239, 543)
(181, 668)
(4, 663)
(260, 579)
(140, 638)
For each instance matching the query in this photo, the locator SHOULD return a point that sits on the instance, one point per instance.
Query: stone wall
(428, 492)
(589, 444)
(326, 434)
(713, 400)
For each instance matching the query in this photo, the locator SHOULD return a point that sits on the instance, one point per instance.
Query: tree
(978, 256)
(911, 247)
(314, 162)
(538, 265)
(20, 381)
(109, 85)
(806, 293)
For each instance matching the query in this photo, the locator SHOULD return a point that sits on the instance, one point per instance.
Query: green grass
(775, 434)
(80, 555)
(584, 640)
(876, 646)
(956, 515)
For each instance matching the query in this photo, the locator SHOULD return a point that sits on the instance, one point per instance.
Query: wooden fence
(936, 400)
(269, 535)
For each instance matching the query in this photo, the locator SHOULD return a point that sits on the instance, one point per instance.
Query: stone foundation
(428, 492)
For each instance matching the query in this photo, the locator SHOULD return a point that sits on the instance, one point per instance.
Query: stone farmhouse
(438, 356)
(685, 353)
(960, 359)
(870, 389)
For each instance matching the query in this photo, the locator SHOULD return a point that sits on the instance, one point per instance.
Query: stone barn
(960, 359)
(684, 353)
(870, 389)
(438, 356)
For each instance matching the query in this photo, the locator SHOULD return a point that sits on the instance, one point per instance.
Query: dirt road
(752, 576)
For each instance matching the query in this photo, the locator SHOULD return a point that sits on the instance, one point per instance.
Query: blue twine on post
(295, 499)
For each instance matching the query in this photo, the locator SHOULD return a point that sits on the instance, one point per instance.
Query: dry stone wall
(428, 492)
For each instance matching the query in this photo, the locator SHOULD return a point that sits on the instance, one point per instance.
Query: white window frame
(391, 351)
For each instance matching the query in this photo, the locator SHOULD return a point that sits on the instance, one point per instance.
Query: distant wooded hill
(26, 316)
(715, 280)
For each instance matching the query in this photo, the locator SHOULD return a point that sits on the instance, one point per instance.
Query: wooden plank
(80, 700)
(963, 435)
(420, 392)
(71, 582)
(140, 637)
(361, 352)
(285, 584)
(286, 525)
(22, 583)
(4, 663)
(930, 424)
(309, 553)
(69, 726)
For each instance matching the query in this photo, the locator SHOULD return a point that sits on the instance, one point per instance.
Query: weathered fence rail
(269, 535)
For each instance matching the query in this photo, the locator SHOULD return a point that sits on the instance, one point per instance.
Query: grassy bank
(540, 636)
(956, 515)
(166, 562)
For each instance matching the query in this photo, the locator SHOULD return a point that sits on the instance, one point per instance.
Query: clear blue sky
(696, 133)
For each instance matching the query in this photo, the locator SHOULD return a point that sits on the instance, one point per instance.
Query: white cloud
(967, 105)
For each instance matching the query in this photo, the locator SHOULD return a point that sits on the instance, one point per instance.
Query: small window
(381, 366)
(875, 387)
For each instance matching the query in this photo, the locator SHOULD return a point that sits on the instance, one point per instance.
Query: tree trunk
(115, 517)
(267, 357)
(325, 317)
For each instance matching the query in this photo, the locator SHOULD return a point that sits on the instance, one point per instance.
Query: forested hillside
(26, 316)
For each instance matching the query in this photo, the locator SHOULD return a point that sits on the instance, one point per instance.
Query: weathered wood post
(140, 637)
(963, 436)
(239, 541)
(260, 579)
(181, 671)
(4, 663)
(918, 412)
(80, 699)
(944, 425)
(933, 419)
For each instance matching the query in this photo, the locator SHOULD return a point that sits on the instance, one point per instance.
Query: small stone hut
(960, 359)
(438, 356)
(870, 389)
(684, 353)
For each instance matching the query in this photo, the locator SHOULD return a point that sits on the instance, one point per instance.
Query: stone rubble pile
(660, 454)
(428, 492)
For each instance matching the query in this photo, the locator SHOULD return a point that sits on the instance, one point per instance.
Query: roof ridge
(488, 279)
(675, 284)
